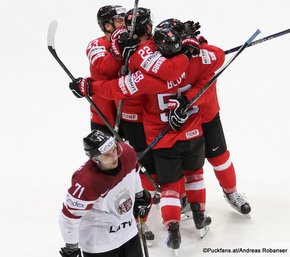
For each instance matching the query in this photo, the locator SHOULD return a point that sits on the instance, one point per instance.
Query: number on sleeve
(79, 189)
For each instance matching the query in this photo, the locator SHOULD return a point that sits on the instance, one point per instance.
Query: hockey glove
(80, 87)
(190, 45)
(201, 40)
(191, 28)
(122, 45)
(142, 204)
(187, 51)
(70, 252)
(177, 116)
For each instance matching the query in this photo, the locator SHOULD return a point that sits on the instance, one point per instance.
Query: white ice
(42, 123)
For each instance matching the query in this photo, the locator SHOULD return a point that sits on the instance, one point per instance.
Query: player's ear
(94, 159)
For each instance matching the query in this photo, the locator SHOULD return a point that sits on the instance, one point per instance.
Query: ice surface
(42, 123)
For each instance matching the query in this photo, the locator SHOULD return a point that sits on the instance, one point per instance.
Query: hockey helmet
(97, 143)
(108, 13)
(176, 24)
(168, 41)
(143, 17)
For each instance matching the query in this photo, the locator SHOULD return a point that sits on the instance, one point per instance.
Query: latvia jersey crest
(123, 202)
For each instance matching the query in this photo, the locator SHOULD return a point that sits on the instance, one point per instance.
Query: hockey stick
(125, 69)
(260, 40)
(143, 237)
(201, 92)
(51, 47)
(147, 175)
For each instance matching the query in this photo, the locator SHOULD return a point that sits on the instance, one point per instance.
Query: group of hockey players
(109, 196)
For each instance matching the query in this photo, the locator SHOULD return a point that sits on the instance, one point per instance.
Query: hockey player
(147, 59)
(194, 183)
(217, 153)
(175, 152)
(103, 65)
(216, 150)
(105, 197)
(131, 126)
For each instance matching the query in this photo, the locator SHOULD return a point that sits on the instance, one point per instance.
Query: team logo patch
(192, 133)
(107, 145)
(96, 52)
(123, 202)
(122, 86)
(129, 116)
(158, 64)
(75, 203)
(212, 56)
(130, 84)
(205, 56)
(149, 60)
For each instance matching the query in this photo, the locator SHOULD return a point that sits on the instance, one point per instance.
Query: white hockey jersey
(98, 210)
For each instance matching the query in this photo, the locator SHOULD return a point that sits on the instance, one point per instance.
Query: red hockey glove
(116, 34)
(192, 45)
(201, 40)
(142, 204)
(115, 50)
(177, 117)
(122, 45)
(80, 87)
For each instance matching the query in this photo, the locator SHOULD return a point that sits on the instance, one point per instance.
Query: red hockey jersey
(209, 106)
(156, 92)
(103, 66)
(150, 61)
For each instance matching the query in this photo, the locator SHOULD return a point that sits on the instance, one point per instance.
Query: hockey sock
(182, 189)
(195, 187)
(224, 171)
(170, 201)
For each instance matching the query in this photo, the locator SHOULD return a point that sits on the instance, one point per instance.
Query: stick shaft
(259, 41)
(51, 48)
(201, 92)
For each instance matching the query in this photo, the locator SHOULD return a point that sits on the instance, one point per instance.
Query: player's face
(109, 160)
(119, 22)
